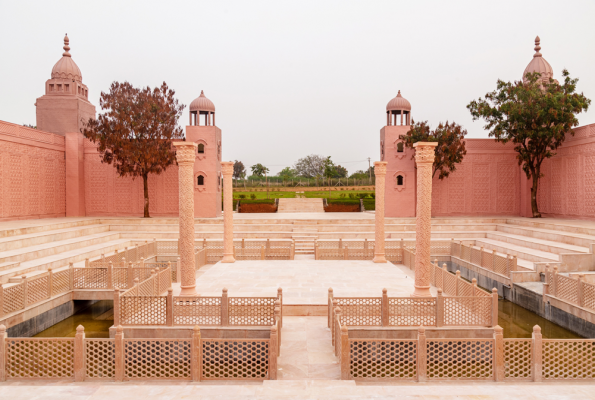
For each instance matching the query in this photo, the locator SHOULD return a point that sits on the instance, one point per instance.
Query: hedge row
(256, 201)
(369, 204)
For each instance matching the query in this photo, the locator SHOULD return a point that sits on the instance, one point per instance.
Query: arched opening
(201, 148)
(399, 180)
(200, 180)
(400, 147)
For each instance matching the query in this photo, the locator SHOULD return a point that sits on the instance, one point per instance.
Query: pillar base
(379, 258)
(421, 291)
(228, 259)
(188, 291)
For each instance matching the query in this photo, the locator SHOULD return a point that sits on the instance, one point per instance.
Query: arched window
(201, 148)
(400, 147)
(200, 180)
(399, 180)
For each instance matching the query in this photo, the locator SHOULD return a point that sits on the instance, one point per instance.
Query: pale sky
(292, 78)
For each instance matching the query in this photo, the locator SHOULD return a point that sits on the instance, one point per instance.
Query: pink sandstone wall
(487, 182)
(32, 173)
(107, 194)
(567, 189)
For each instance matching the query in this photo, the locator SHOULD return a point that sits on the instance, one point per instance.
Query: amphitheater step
(25, 227)
(537, 244)
(56, 235)
(521, 252)
(62, 259)
(300, 205)
(576, 239)
(53, 248)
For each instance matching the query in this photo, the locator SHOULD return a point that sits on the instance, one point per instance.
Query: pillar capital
(227, 167)
(185, 152)
(425, 152)
(380, 168)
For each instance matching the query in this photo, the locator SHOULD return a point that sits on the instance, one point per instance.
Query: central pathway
(306, 350)
(300, 205)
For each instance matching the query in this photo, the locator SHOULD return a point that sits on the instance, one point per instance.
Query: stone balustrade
(568, 289)
(427, 354)
(120, 359)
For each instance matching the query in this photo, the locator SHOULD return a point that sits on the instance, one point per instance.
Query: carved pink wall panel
(106, 193)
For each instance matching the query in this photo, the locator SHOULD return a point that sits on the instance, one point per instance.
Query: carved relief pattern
(185, 154)
(481, 187)
(589, 177)
(380, 173)
(424, 157)
(557, 186)
(506, 188)
(572, 187)
(456, 190)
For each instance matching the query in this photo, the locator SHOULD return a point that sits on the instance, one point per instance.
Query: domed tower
(207, 166)
(66, 99)
(62, 110)
(399, 198)
(539, 64)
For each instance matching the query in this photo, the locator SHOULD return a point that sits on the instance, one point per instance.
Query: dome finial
(66, 46)
(202, 93)
(537, 47)
(399, 94)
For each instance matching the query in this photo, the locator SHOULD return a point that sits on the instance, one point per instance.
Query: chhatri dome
(539, 64)
(66, 68)
(398, 106)
(202, 106)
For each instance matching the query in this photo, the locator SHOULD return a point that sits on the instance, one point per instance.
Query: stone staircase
(30, 247)
(300, 205)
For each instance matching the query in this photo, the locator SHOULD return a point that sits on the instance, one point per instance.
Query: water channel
(516, 321)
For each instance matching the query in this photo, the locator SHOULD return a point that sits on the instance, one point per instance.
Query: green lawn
(335, 194)
(263, 195)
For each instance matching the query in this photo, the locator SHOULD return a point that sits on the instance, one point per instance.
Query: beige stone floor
(304, 281)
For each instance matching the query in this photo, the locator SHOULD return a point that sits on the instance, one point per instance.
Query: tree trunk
(146, 193)
(534, 209)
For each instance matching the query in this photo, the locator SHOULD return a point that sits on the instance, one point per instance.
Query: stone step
(576, 239)
(537, 244)
(33, 239)
(52, 248)
(62, 259)
(518, 251)
(25, 227)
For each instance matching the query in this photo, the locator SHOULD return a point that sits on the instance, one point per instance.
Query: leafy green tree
(330, 171)
(340, 172)
(451, 144)
(287, 173)
(238, 169)
(259, 170)
(536, 115)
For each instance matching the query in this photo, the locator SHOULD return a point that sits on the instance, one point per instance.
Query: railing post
(498, 355)
(262, 252)
(136, 282)
(157, 282)
(119, 356)
(330, 305)
(25, 294)
(384, 308)
(224, 308)
(116, 306)
(71, 275)
(196, 363)
(513, 264)
(537, 351)
(129, 273)
(2, 353)
(337, 316)
(277, 313)
(546, 285)
(1, 300)
(142, 262)
(316, 257)
(554, 284)
(344, 353)
(422, 356)
(87, 262)
(280, 297)
(50, 282)
(79, 354)
(273, 347)
(169, 308)
(473, 287)
(126, 253)
(457, 282)
(110, 275)
(439, 309)
(494, 307)
(580, 287)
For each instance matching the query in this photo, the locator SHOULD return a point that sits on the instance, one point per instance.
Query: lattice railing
(259, 311)
(568, 359)
(460, 359)
(197, 311)
(145, 310)
(411, 311)
(568, 289)
(235, 359)
(38, 289)
(383, 359)
(360, 311)
(100, 358)
(468, 311)
(39, 358)
(517, 359)
(157, 359)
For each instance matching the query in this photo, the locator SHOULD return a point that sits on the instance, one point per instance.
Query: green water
(96, 319)
(518, 322)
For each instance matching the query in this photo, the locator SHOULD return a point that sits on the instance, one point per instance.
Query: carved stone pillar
(424, 158)
(380, 173)
(186, 154)
(227, 170)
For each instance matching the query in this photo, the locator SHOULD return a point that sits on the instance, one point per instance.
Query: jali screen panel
(390, 359)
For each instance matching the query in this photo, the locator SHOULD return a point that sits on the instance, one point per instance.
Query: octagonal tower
(400, 169)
